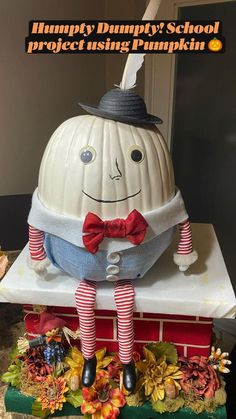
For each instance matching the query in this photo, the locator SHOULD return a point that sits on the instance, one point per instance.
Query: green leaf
(6, 377)
(113, 384)
(149, 355)
(38, 411)
(13, 375)
(75, 398)
(164, 349)
(59, 368)
(159, 406)
(87, 416)
(14, 352)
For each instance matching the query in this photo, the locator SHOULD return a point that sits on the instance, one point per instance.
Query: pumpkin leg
(85, 297)
(124, 298)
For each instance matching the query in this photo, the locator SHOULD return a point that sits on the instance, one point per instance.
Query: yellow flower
(52, 393)
(156, 374)
(75, 361)
(102, 360)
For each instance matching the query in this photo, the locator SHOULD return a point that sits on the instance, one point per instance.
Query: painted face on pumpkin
(136, 155)
(107, 167)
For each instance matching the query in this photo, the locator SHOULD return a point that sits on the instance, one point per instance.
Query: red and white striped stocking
(185, 243)
(185, 255)
(36, 239)
(85, 298)
(124, 298)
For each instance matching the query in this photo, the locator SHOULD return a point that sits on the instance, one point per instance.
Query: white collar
(70, 229)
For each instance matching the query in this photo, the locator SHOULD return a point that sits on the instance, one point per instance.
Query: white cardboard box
(204, 290)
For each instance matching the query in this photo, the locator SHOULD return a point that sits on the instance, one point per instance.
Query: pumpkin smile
(109, 201)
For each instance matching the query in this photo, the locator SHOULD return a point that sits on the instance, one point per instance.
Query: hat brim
(148, 119)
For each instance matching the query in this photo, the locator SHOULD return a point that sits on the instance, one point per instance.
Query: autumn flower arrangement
(165, 380)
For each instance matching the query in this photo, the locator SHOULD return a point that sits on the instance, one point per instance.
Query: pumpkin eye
(136, 154)
(87, 154)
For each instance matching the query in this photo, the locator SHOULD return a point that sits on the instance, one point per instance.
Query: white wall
(38, 92)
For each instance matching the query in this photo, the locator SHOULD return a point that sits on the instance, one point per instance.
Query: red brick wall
(190, 334)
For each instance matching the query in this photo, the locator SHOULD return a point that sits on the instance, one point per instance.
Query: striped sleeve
(36, 239)
(185, 243)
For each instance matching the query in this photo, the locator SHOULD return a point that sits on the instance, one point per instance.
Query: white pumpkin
(109, 182)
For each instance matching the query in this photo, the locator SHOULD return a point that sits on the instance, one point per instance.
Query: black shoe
(89, 372)
(129, 376)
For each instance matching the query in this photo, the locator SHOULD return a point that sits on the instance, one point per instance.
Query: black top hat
(123, 106)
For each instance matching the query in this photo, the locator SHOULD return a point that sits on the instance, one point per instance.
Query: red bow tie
(133, 228)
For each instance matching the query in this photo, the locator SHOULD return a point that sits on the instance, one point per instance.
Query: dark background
(14, 211)
(204, 132)
(204, 141)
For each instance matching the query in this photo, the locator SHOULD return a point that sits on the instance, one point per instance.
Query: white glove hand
(183, 268)
(184, 261)
(39, 266)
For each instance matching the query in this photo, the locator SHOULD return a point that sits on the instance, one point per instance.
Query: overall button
(113, 269)
(112, 278)
(113, 257)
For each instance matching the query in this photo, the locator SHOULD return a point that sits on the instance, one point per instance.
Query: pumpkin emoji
(106, 208)
(215, 45)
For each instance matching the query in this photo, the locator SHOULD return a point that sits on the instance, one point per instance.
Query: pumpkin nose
(117, 172)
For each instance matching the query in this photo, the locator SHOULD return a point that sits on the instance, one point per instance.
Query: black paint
(111, 202)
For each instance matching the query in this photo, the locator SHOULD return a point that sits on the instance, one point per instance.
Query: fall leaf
(75, 398)
(13, 375)
(164, 349)
(38, 411)
(149, 356)
(159, 406)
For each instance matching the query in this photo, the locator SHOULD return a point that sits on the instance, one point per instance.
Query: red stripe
(185, 243)
(85, 301)
(124, 298)
(85, 297)
(36, 239)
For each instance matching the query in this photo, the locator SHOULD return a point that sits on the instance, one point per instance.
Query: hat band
(127, 110)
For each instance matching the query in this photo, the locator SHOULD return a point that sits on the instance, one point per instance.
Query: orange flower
(52, 393)
(101, 400)
(115, 367)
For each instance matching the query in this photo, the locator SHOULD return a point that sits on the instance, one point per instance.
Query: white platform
(204, 290)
